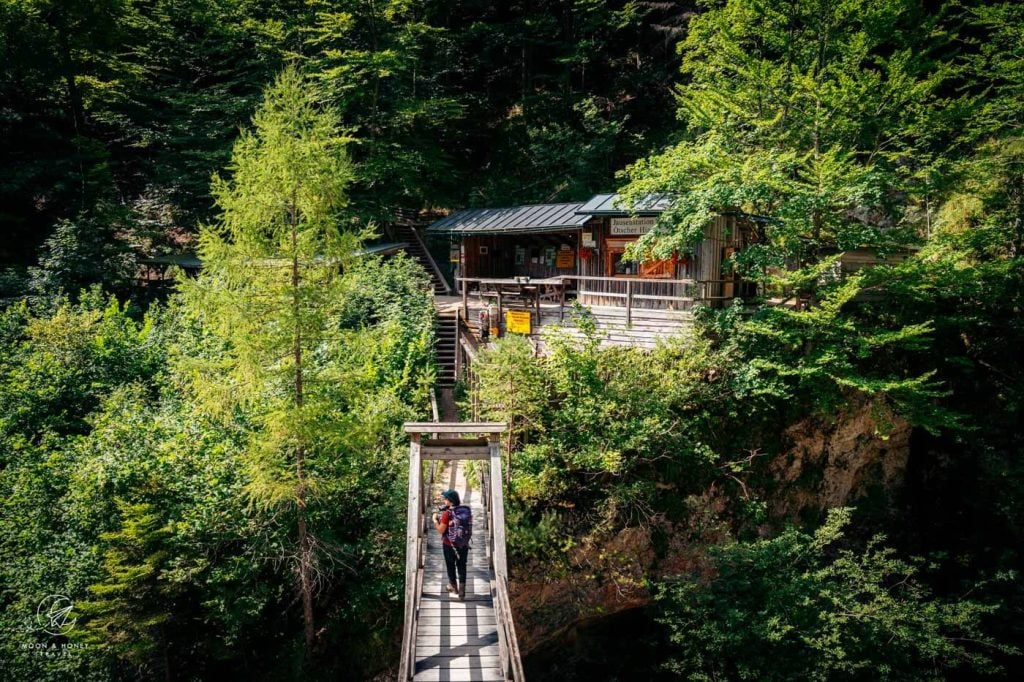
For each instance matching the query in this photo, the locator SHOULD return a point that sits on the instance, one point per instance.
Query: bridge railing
(508, 643)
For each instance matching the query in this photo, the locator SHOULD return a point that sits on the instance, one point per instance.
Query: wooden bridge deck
(456, 640)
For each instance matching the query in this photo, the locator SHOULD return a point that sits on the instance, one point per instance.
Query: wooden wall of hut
(496, 255)
(724, 236)
(594, 263)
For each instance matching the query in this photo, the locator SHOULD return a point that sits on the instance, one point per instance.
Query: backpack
(460, 526)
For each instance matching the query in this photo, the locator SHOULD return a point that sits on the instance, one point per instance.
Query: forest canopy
(215, 471)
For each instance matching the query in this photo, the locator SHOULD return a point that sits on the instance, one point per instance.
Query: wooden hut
(584, 244)
(537, 241)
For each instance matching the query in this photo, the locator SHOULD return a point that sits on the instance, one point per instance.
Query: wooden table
(523, 290)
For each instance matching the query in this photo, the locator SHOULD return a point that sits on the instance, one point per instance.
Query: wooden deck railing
(623, 292)
(674, 293)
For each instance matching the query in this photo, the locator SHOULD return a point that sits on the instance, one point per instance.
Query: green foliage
(511, 389)
(81, 253)
(57, 368)
(802, 606)
(271, 280)
(805, 112)
(395, 299)
(598, 425)
(827, 352)
(129, 606)
(165, 496)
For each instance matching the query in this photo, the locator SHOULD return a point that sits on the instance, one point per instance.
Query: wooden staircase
(444, 347)
(417, 249)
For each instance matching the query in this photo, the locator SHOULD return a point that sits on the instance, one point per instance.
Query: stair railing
(430, 259)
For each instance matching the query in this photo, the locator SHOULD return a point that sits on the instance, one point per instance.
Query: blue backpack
(460, 526)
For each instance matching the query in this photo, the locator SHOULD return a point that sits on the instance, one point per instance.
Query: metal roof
(385, 249)
(183, 260)
(609, 204)
(535, 218)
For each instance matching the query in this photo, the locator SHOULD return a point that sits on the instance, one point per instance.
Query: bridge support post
(412, 559)
(497, 507)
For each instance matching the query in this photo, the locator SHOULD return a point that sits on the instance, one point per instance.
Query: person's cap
(451, 495)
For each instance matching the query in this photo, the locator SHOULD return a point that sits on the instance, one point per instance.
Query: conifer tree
(272, 278)
(131, 603)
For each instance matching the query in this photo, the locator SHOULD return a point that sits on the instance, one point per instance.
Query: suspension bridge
(445, 638)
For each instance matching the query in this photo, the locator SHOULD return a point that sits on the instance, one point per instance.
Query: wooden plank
(470, 630)
(436, 632)
(483, 674)
(462, 609)
(477, 605)
(458, 662)
(497, 509)
(477, 572)
(431, 650)
(449, 454)
(512, 644)
(435, 589)
(454, 427)
(438, 600)
(435, 442)
(460, 619)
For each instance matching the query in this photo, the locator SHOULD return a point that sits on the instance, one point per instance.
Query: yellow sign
(565, 259)
(518, 322)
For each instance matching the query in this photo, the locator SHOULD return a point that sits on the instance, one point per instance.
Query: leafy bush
(799, 606)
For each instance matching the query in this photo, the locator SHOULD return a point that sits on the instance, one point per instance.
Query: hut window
(618, 266)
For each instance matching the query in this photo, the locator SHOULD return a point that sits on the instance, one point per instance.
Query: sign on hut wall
(565, 258)
(518, 322)
(631, 226)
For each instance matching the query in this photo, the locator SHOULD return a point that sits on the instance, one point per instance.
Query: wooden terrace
(626, 311)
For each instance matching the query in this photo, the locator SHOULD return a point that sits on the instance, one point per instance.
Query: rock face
(826, 462)
(832, 463)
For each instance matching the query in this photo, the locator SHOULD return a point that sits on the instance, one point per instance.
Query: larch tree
(272, 279)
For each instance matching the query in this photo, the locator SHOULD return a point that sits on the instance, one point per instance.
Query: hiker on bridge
(455, 524)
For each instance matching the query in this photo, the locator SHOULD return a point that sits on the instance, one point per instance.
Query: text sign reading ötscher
(627, 226)
(518, 322)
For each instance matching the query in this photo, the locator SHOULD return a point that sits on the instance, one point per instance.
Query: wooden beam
(629, 302)
(497, 510)
(412, 532)
(439, 442)
(454, 427)
(430, 454)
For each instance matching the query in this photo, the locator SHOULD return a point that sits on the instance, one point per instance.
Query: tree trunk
(305, 545)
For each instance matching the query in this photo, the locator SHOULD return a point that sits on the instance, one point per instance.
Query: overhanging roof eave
(469, 231)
